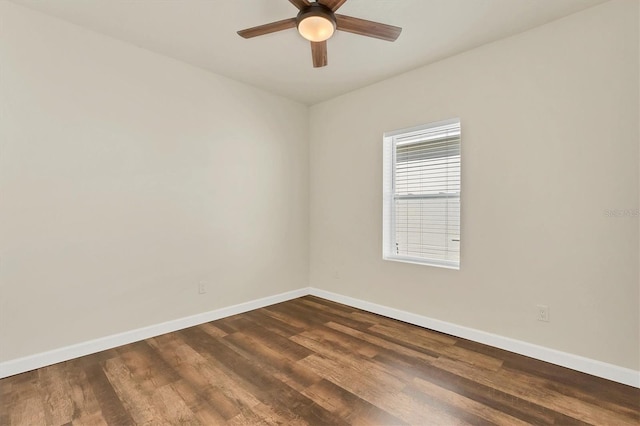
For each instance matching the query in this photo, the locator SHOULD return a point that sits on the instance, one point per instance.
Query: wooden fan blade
(367, 28)
(319, 53)
(285, 24)
(332, 4)
(300, 3)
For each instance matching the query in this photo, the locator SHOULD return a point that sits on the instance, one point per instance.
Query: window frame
(390, 196)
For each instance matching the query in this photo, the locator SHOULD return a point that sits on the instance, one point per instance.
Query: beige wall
(549, 143)
(126, 178)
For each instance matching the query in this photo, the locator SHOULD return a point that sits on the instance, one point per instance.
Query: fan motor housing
(316, 9)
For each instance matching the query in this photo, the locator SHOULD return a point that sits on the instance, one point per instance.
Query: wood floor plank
(262, 414)
(29, 411)
(284, 317)
(172, 408)
(287, 347)
(94, 419)
(443, 346)
(464, 404)
(273, 361)
(383, 343)
(111, 406)
(350, 314)
(342, 342)
(333, 305)
(135, 396)
(569, 382)
(273, 324)
(386, 393)
(233, 323)
(56, 394)
(357, 370)
(223, 396)
(212, 330)
(532, 389)
(357, 377)
(486, 395)
(390, 326)
(310, 361)
(197, 403)
(268, 389)
(322, 316)
(600, 390)
(86, 407)
(348, 406)
(148, 368)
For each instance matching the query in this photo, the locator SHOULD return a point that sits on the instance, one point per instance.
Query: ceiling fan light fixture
(316, 23)
(316, 28)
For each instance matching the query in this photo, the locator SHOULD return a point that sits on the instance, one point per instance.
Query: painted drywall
(550, 186)
(126, 178)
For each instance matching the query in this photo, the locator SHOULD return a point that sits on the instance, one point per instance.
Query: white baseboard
(564, 359)
(21, 365)
(575, 362)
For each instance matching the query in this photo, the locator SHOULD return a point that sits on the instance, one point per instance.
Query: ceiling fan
(317, 21)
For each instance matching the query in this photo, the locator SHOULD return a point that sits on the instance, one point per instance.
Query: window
(421, 216)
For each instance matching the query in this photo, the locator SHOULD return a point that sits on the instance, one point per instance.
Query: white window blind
(421, 213)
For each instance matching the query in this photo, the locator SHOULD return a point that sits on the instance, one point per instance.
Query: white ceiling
(203, 33)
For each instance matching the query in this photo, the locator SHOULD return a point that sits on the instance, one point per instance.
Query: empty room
(331, 212)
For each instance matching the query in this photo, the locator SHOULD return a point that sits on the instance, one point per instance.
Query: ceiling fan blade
(319, 53)
(332, 4)
(300, 3)
(367, 28)
(285, 24)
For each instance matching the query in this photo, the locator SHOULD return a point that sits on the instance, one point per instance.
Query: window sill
(424, 262)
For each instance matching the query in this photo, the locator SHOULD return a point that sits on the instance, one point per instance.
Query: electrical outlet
(543, 313)
(202, 287)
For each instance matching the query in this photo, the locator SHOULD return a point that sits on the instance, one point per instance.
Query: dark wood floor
(310, 361)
